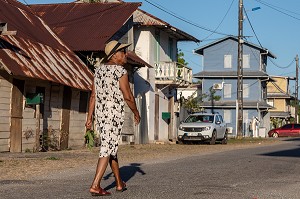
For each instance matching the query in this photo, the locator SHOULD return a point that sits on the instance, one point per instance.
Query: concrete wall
(148, 48)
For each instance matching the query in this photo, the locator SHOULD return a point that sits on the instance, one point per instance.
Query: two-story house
(156, 42)
(279, 97)
(220, 72)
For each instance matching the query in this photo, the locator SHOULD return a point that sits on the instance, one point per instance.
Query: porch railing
(173, 71)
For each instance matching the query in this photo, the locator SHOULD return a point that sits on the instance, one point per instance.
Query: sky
(274, 24)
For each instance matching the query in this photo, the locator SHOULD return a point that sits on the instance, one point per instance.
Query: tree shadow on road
(127, 172)
(286, 153)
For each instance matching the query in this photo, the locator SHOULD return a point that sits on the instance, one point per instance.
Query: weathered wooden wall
(5, 96)
(77, 122)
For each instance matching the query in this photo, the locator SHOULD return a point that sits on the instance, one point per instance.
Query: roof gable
(261, 49)
(144, 18)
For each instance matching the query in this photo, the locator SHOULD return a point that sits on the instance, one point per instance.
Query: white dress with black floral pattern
(109, 107)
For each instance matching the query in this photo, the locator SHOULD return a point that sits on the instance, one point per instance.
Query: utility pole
(240, 72)
(296, 88)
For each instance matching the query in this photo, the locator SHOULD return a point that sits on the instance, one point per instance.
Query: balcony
(172, 73)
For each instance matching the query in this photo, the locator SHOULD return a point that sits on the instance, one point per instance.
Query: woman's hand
(88, 124)
(137, 118)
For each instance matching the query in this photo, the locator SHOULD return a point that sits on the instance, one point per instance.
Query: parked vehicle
(203, 127)
(288, 130)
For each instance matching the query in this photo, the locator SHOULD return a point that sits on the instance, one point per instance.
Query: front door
(16, 116)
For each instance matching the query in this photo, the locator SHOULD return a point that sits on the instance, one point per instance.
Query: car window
(219, 118)
(297, 126)
(200, 118)
(287, 126)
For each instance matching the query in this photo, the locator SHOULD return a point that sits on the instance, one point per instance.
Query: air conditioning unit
(229, 130)
(218, 86)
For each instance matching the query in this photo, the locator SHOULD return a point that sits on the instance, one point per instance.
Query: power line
(184, 20)
(263, 47)
(25, 2)
(293, 61)
(277, 9)
(220, 22)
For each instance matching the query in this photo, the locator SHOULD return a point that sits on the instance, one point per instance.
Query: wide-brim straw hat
(112, 47)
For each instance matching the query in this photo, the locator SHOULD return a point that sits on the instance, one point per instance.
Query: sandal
(123, 188)
(99, 192)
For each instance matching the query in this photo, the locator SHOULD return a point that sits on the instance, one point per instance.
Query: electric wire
(25, 2)
(184, 20)
(220, 22)
(248, 19)
(278, 10)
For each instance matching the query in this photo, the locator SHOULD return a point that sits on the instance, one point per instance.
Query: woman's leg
(114, 164)
(101, 167)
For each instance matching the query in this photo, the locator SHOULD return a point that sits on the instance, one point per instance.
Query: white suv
(203, 127)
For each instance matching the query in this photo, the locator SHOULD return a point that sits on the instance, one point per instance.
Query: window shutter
(227, 90)
(227, 61)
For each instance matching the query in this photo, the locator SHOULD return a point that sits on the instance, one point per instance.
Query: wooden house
(43, 85)
(279, 97)
(220, 73)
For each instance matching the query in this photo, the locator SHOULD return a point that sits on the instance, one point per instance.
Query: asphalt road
(264, 172)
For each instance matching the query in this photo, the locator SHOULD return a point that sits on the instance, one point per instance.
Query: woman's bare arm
(89, 120)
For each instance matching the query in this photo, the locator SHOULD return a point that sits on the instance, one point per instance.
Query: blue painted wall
(213, 57)
(254, 87)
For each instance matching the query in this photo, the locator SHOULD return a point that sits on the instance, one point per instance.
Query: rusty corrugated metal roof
(37, 52)
(135, 59)
(144, 18)
(86, 26)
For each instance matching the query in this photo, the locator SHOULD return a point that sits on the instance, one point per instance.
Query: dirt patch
(23, 166)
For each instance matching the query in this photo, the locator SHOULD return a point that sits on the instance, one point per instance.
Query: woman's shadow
(126, 172)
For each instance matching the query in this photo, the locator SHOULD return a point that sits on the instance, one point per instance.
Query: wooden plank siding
(5, 94)
(51, 119)
(77, 122)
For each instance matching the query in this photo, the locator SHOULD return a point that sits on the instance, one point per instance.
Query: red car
(288, 130)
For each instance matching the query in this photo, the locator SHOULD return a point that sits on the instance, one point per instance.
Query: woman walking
(110, 90)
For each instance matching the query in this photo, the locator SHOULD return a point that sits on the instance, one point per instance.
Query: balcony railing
(173, 71)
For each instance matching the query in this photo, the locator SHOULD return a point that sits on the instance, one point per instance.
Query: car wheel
(275, 135)
(224, 140)
(213, 138)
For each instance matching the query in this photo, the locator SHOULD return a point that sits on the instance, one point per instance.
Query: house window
(246, 90)
(227, 91)
(227, 116)
(270, 102)
(83, 102)
(246, 61)
(227, 61)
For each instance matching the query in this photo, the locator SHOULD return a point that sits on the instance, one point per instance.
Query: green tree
(194, 104)
(180, 58)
